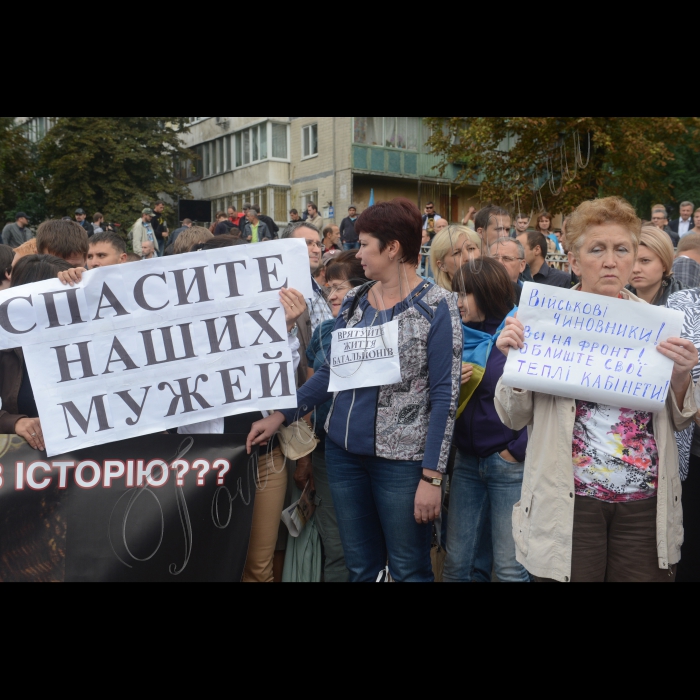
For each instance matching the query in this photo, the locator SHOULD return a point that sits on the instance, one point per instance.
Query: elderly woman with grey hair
(601, 497)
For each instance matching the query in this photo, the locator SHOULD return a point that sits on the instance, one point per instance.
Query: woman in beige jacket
(601, 494)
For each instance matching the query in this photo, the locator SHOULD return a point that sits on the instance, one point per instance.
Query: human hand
(467, 372)
(508, 457)
(428, 504)
(263, 430)
(685, 358)
(166, 234)
(304, 473)
(30, 430)
(512, 336)
(73, 276)
(294, 306)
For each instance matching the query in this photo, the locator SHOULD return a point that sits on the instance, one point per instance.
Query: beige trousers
(269, 503)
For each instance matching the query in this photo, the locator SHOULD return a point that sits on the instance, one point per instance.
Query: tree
(555, 163)
(115, 165)
(20, 188)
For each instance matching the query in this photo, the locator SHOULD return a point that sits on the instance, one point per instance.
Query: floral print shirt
(615, 455)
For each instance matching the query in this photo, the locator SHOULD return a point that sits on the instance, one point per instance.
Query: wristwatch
(432, 482)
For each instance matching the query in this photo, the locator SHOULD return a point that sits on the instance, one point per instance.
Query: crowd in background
(449, 474)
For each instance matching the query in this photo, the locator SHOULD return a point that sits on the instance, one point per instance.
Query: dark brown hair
(61, 238)
(488, 281)
(37, 268)
(346, 267)
(398, 220)
(7, 256)
(546, 215)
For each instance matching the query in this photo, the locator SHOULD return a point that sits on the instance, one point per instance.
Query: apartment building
(281, 163)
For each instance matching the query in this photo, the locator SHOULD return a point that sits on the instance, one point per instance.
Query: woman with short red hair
(387, 446)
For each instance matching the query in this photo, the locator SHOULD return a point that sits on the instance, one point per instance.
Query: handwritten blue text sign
(593, 348)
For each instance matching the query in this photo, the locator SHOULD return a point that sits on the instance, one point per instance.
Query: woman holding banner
(601, 497)
(488, 473)
(388, 432)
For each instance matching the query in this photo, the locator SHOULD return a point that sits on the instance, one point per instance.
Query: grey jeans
(335, 570)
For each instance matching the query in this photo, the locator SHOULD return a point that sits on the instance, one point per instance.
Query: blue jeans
(482, 493)
(160, 247)
(375, 501)
(351, 246)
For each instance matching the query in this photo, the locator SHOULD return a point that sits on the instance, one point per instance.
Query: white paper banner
(139, 348)
(593, 348)
(365, 357)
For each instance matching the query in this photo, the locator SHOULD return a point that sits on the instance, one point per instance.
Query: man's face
(147, 249)
(147, 218)
(352, 213)
(295, 217)
(23, 221)
(104, 255)
(313, 242)
(231, 213)
(659, 220)
(159, 208)
(521, 225)
(335, 236)
(80, 218)
(430, 210)
(509, 256)
(530, 256)
(441, 225)
(252, 216)
(311, 212)
(686, 213)
(499, 227)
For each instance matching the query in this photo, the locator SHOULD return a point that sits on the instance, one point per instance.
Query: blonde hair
(28, 248)
(599, 212)
(659, 242)
(442, 245)
(190, 238)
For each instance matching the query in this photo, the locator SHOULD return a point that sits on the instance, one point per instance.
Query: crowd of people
(447, 474)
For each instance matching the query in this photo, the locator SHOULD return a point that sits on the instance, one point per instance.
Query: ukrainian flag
(477, 350)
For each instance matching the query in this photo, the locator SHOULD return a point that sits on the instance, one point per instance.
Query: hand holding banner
(592, 348)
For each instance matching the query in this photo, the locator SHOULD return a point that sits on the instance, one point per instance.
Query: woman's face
(545, 224)
(376, 262)
(604, 260)
(468, 309)
(648, 271)
(696, 220)
(456, 257)
(472, 251)
(337, 291)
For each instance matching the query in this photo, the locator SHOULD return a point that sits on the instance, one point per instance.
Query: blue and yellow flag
(477, 350)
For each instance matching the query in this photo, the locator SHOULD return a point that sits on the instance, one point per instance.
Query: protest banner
(166, 509)
(365, 357)
(140, 348)
(593, 348)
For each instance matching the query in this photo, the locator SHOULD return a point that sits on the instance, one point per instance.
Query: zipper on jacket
(347, 428)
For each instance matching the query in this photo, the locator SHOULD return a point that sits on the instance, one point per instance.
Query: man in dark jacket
(684, 225)
(81, 218)
(272, 227)
(535, 245)
(659, 218)
(18, 233)
(160, 227)
(350, 239)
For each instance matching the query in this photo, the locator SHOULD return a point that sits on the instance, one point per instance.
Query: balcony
(397, 162)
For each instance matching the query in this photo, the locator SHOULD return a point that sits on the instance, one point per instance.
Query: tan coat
(543, 521)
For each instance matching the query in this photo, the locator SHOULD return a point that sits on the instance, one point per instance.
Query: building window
(281, 207)
(389, 132)
(279, 142)
(309, 139)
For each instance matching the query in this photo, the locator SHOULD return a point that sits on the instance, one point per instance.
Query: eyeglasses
(339, 288)
(313, 244)
(506, 258)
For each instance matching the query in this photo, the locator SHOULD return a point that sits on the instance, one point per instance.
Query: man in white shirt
(684, 225)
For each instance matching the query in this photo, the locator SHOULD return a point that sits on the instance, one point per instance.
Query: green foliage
(20, 187)
(514, 158)
(115, 165)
